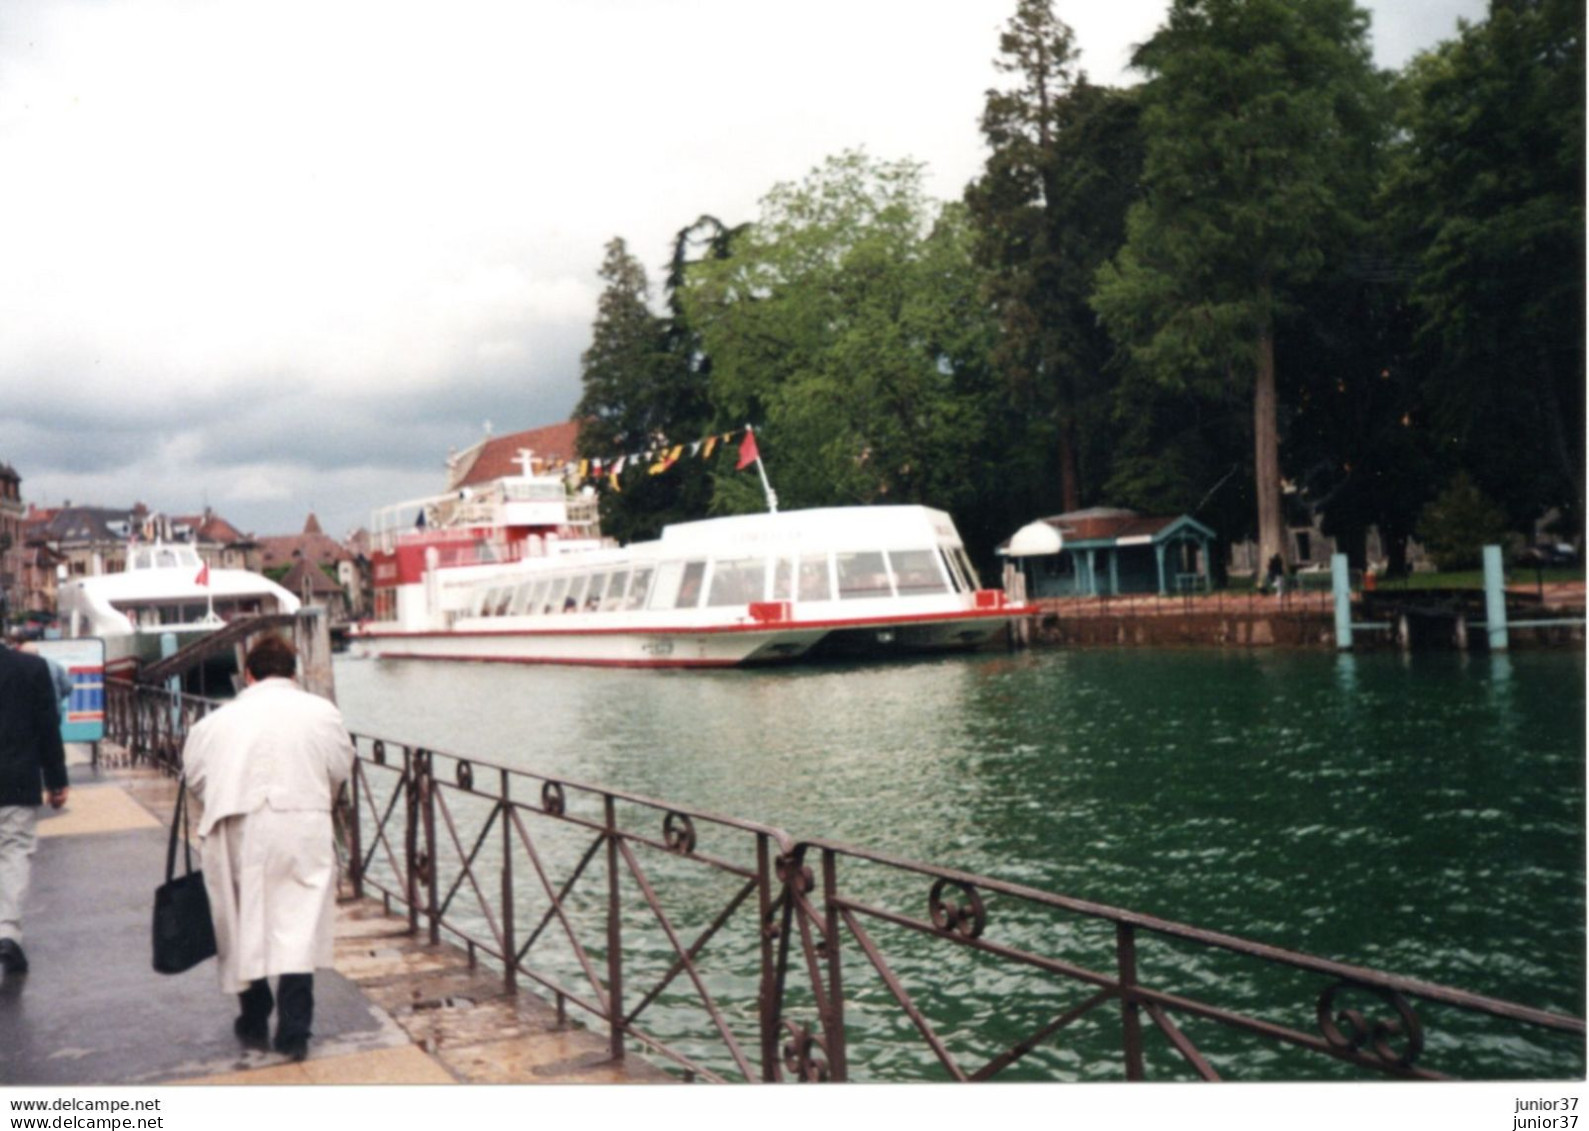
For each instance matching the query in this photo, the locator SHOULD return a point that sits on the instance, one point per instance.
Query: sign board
(83, 707)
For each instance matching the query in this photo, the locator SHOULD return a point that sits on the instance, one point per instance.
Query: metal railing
(732, 951)
(501, 861)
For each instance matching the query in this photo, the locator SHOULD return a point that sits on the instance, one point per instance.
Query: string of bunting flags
(655, 461)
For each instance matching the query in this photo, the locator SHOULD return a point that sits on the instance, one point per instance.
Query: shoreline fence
(732, 951)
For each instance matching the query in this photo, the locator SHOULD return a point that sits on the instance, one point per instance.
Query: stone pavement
(91, 1011)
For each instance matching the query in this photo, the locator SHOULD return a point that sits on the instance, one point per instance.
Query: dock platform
(394, 1010)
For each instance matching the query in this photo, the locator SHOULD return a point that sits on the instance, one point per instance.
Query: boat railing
(583, 510)
(730, 951)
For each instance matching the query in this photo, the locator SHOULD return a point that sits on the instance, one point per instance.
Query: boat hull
(704, 647)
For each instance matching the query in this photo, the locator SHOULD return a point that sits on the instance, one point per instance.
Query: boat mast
(766, 487)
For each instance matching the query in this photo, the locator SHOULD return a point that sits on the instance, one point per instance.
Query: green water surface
(1418, 815)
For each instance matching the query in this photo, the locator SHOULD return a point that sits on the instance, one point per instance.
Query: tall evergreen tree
(688, 394)
(1258, 119)
(633, 386)
(618, 367)
(1049, 209)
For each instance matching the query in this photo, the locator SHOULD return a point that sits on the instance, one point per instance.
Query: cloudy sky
(280, 256)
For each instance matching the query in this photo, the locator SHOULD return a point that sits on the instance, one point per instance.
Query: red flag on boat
(204, 575)
(747, 451)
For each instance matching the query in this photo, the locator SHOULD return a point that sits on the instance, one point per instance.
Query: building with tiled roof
(12, 512)
(37, 569)
(218, 541)
(496, 456)
(212, 528)
(1109, 551)
(311, 585)
(306, 554)
(312, 544)
(89, 540)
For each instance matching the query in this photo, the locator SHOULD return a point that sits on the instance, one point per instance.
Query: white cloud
(283, 225)
(257, 485)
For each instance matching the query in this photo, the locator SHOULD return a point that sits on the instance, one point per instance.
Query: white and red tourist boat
(165, 590)
(515, 570)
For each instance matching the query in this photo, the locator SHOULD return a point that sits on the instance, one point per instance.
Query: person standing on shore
(32, 765)
(1277, 575)
(267, 767)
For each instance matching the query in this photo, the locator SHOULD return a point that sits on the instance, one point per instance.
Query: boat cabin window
(783, 579)
(504, 600)
(916, 572)
(576, 593)
(598, 586)
(677, 585)
(690, 586)
(537, 596)
(152, 616)
(956, 577)
(536, 492)
(814, 582)
(861, 575)
(554, 598)
(737, 582)
(614, 598)
(639, 589)
(665, 589)
(972, 580)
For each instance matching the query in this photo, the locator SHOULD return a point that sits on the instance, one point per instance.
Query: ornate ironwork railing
(731, 951)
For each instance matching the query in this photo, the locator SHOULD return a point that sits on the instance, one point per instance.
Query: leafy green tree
(1259, 117)
(1456, 526)
(847, 325)
(639, 393)
(1488, 195)
(1049, 208)
(1178, 451)
(1358, 439)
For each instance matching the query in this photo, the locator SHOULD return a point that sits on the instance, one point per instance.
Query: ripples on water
(1422, 816)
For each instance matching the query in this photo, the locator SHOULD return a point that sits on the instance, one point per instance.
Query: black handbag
(184, 934)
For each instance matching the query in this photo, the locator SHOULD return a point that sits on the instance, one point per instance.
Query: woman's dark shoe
(293, 1048)
(255, 1034)
(12, 960)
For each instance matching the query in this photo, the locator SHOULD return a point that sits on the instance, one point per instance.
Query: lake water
(1418, 815)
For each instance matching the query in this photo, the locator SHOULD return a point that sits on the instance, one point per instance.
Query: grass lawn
(1474, 578)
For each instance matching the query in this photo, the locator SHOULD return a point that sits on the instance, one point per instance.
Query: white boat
(165, 589)
(516, 571)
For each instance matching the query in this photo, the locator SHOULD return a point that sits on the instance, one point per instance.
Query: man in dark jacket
(32, 760)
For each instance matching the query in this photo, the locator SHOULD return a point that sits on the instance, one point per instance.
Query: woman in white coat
(267, 767)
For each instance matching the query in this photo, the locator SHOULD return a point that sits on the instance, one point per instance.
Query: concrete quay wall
(1299, 620)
